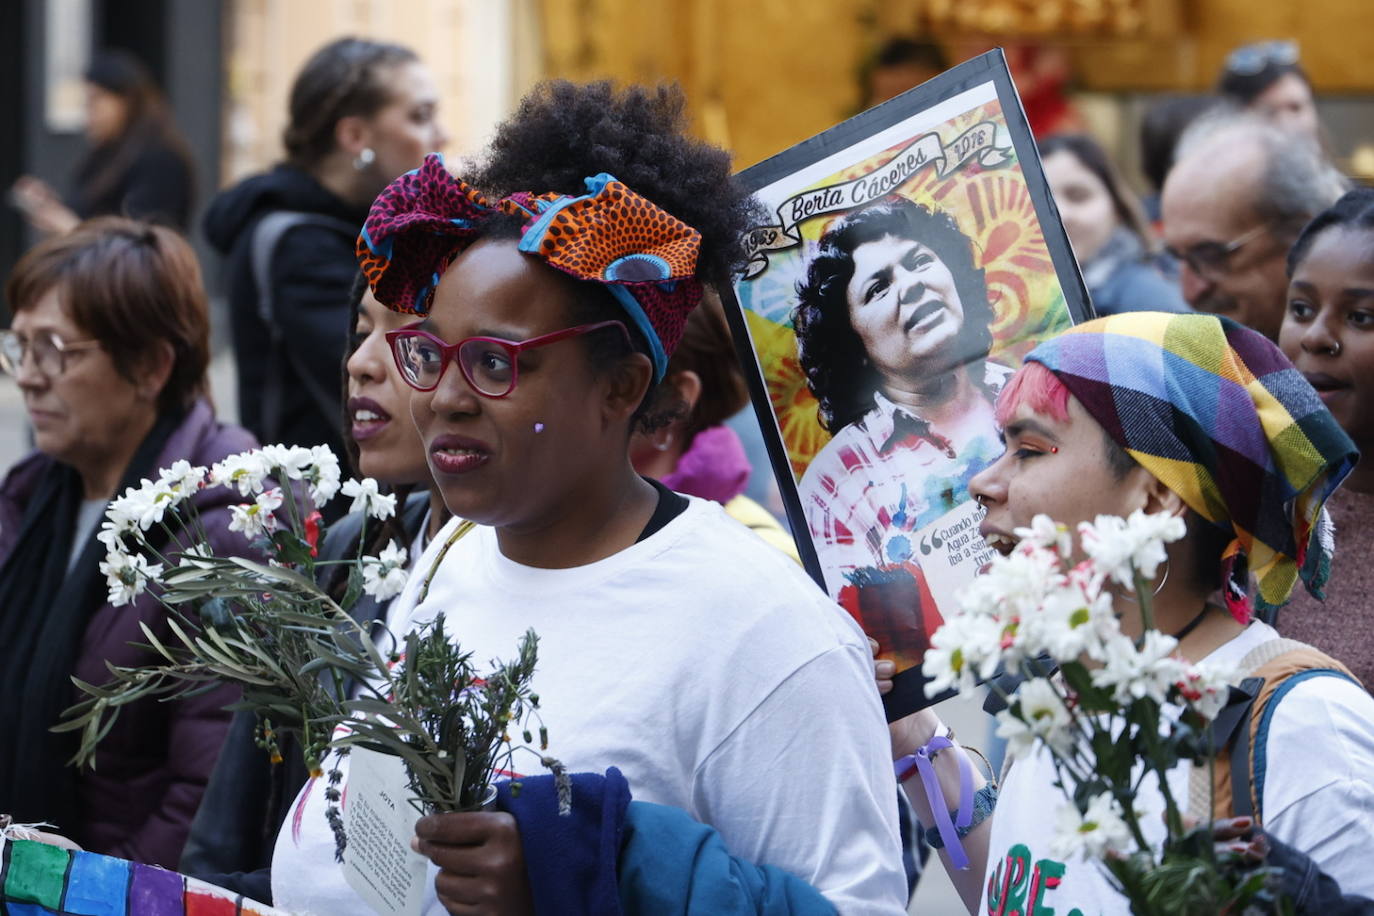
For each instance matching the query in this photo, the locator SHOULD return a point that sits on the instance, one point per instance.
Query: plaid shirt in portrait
(885, 476)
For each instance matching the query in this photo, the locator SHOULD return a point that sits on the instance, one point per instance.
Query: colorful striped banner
(41, 880)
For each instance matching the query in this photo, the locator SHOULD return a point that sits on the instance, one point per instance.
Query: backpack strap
(1240, 732)
(267, 234)
(1230, 731)
(1265, 714)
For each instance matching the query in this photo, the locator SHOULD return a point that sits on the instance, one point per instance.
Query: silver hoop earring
(1168, 564)
(1158, 588)
(366, 156)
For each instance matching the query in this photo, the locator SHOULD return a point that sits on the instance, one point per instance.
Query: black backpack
(263, 247)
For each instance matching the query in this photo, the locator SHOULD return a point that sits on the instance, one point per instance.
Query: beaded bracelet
(984, 800)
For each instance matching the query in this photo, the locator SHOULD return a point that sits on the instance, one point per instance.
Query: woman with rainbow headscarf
(1195, 416)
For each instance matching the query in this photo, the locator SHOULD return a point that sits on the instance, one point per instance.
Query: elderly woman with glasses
(109, 346)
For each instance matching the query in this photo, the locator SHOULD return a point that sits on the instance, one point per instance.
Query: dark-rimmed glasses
(490, 364)
(1210, 259)
(48, 349)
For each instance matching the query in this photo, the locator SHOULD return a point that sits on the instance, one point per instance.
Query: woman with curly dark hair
(893, 327)
(550, 289)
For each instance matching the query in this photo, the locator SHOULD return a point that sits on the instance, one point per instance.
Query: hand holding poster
(913, 258)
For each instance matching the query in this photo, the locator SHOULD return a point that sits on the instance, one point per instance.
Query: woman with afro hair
(893, 329)
(550, 285)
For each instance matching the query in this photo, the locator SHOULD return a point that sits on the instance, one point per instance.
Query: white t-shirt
(707, 667)
(1318, 798)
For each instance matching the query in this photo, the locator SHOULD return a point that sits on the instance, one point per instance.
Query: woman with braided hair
(361, 113)
(549, 289)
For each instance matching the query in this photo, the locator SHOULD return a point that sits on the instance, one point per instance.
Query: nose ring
(1335, 348)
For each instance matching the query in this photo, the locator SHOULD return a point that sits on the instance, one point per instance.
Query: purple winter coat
(152, 768)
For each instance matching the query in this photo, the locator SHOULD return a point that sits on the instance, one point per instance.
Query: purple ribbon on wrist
(921, 761)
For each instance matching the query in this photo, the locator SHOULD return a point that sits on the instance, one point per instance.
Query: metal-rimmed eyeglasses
(48, 349)
(1210, 259)
(490, 364)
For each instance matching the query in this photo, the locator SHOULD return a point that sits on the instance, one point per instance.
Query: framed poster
(911, 256)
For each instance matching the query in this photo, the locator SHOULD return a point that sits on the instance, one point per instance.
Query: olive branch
(306, 667)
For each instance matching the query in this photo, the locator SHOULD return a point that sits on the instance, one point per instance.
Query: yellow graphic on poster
(894, 292)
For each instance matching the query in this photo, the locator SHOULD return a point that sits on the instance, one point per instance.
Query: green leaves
(302, 662)
(439, 709)
(294, 653)
(289, 547)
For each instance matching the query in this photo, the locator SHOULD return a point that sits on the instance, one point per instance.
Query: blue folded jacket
(609, 855)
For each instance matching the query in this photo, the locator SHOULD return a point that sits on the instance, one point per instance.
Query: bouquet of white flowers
(1117, 709)
(305, 665)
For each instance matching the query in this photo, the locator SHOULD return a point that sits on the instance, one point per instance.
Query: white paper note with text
(379, 822)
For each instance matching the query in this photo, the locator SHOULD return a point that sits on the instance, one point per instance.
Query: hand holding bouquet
(1117, 710)
(304, 663)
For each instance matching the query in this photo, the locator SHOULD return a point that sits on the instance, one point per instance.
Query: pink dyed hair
(1036, 387)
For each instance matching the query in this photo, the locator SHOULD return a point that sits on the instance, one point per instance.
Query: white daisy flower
(323, 475)
(247, 471)
(367, 497)
(1120, 548)
(127, 576)
(1094, 833)
(255, 519)
(384, 576)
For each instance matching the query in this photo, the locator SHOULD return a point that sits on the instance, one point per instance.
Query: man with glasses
(1234, 201)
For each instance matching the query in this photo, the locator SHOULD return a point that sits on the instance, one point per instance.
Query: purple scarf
(714, 467)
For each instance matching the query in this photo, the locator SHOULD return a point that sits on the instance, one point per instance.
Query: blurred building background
(766, 74)
(760, 75)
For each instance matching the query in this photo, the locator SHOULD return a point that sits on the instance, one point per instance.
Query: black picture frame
(991, 68)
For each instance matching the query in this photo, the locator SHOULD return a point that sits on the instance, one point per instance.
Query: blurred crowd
(1246, 218)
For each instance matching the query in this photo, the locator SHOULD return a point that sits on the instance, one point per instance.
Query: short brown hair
(130, 285)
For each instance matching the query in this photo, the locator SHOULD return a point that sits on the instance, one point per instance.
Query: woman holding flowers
(1207, 438)
(549, 294)
(231, 839)
(109, 345)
